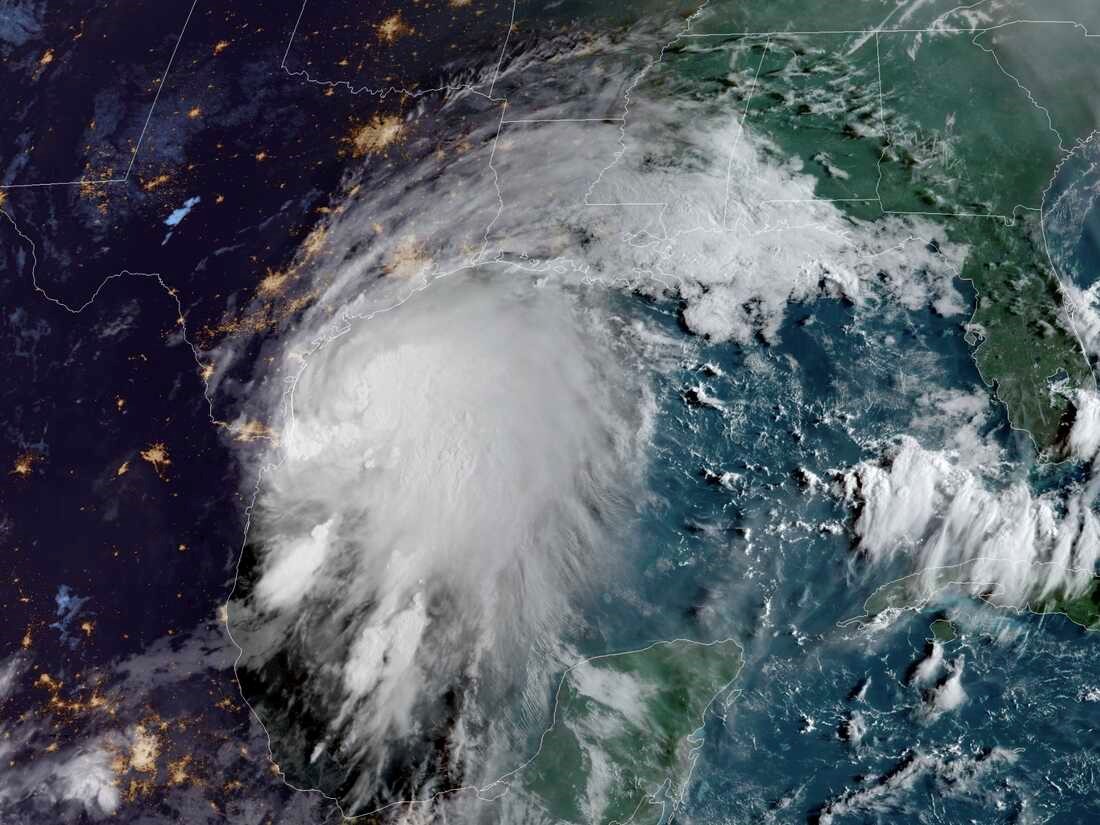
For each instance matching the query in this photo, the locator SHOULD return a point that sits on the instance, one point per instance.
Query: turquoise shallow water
(123, 559)
(751, 560)
(742, 535)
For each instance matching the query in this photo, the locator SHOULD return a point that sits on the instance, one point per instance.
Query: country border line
(162, 80)
(382, 91)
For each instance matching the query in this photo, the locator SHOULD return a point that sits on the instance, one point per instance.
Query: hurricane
(560, 414)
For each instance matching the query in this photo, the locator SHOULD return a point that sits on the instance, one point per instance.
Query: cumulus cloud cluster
(1084, 435)
(942, 680)
(459, 451)
(917, 503)
(688, 203)
(953, 775)
(680, 199)
(732, 228)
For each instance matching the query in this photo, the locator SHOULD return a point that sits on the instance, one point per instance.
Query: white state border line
(383, 91)
(876, 30)
(741, 131)
(345, 320)
(566, 120)
(321, 342)
(1008, 219)
(148, 119)
(621, 152)
(685, 32)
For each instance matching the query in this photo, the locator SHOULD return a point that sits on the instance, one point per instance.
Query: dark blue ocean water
(767, 560)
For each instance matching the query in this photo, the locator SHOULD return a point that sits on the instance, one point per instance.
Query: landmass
(917, 590)
(943, 630)
(901, 124)
(626, 732)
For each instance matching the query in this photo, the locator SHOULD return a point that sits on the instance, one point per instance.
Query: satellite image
(500, 412)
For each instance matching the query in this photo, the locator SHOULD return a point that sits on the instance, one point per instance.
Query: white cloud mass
(462, 447)
(454, 474)
(918, 503)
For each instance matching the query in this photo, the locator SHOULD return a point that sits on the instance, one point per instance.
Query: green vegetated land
(1083, 610)
(943, 631)
(963, 139)
(624, 737)
(1059, 64)
(798, 15)
(929, 125)
(920, 589)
